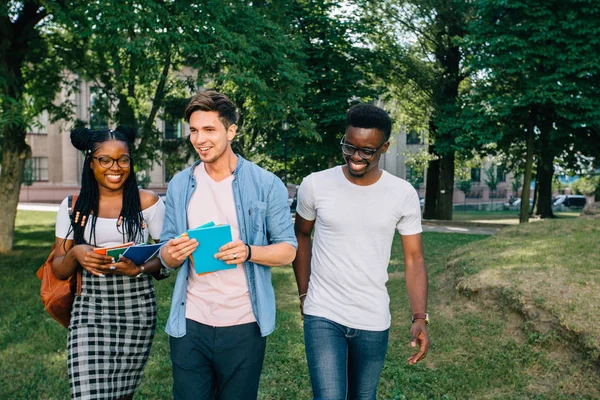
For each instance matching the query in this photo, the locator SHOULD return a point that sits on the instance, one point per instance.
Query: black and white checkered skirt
(110, 335)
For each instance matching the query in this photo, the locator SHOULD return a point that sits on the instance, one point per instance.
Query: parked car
(516, 204)
(571, 201)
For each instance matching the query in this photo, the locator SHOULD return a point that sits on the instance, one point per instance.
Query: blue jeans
(343, 363)
(217, 362)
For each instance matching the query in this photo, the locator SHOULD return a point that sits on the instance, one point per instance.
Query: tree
(31, 73)
(516, 184)
(464, 185)
(586, 185)
(492, 182)
(134, 52)
(539, 81)
(432, 61)
(341, 70)
(417, 162)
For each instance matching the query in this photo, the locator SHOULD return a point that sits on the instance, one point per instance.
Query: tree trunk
(446, 192)
(431, 187)
(11, 176)
(524, 212)
(545, 172)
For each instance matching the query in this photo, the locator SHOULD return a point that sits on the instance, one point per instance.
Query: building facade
(480, 196)
(54, 170)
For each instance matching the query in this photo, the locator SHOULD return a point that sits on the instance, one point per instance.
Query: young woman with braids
(113, 321)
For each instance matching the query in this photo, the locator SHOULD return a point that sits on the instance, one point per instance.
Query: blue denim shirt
(263, 217)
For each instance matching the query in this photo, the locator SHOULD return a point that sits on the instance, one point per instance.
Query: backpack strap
(71, 201)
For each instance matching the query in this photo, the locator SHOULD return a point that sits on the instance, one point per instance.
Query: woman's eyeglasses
(107, 162)
(365, 154)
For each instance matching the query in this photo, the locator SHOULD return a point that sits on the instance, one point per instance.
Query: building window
(501, 173)
(413, 137)
(98, 110)
(476, 174)
(173, 130)
(36, 169)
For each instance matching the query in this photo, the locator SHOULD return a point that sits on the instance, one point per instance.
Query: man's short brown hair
(213, 101)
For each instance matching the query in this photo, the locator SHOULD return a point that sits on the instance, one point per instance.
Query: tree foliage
(586, 185)
(422, 39)
(340, 71)
(538, 80)
(31, 73)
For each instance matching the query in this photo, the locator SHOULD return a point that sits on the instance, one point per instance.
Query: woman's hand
(93, 262)
(123, 267)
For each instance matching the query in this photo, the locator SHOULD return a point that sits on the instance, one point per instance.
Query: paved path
(38, 207)
(475, 230)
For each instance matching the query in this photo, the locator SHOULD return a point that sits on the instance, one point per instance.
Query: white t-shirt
(107, 233)
(354, 230)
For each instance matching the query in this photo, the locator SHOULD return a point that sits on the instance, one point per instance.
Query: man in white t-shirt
(355, 210)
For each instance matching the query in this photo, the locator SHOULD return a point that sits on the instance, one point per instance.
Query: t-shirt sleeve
(154, 217)
(306, 200)
(63, 222)
(410, 222)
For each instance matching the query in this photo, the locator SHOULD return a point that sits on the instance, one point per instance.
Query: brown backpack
(58, 295)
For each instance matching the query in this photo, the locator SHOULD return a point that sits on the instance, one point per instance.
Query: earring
(120, 221)
(143, 224)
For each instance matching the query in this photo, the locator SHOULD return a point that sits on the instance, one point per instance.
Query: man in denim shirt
(219, 321)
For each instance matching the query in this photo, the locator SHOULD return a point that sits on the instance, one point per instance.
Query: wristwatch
(141, 272)
(423, 316)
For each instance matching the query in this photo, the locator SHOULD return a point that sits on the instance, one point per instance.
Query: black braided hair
(131, 226)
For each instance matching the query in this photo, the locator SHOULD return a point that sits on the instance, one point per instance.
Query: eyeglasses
(363, 153)
(107, 162)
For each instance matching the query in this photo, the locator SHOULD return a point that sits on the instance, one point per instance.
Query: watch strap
(423, 316)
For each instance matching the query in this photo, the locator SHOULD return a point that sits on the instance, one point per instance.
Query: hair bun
(126, 131)
(81, 137)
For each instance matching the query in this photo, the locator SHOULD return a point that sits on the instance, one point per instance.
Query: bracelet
(141, 272)
(249, 253)
(302, 295)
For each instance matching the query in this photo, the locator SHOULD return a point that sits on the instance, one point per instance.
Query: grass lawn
(479, 349)
(550, 270)
(509, 217)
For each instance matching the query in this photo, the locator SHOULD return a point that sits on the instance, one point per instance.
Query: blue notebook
(140, 253)
(210, 238)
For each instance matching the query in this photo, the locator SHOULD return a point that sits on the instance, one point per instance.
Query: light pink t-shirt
(219, 298)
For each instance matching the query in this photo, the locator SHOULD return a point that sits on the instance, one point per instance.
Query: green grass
(508, 217)
(551, 266)
(479, 349)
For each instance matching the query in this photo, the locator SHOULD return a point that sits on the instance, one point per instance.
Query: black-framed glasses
(107, 162)
(364, 153)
